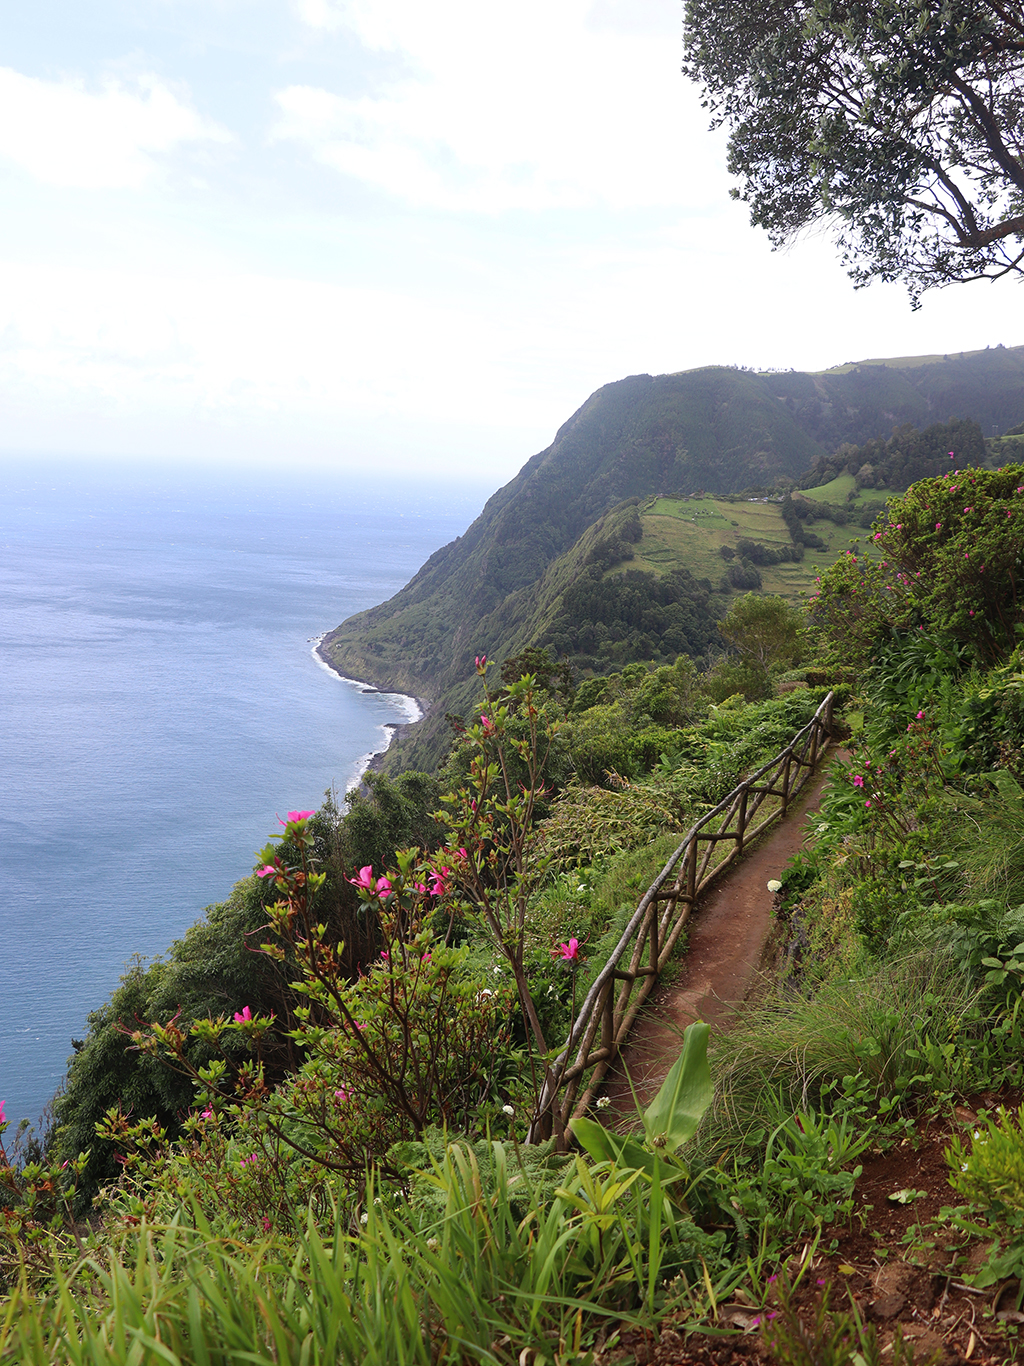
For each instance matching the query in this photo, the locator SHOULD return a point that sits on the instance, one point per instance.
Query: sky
(385, 235)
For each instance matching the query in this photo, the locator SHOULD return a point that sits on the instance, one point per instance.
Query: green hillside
(692, 533)
(865, 399)
(601, 547)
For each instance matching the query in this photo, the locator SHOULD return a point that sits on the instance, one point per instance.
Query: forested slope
(561, 520)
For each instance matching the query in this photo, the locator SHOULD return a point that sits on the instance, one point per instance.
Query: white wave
(408, 708)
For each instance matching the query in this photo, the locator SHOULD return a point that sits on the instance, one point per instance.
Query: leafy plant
(669, 1121)
(991, 1175)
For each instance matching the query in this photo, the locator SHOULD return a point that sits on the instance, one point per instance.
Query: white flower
(433, 1244)
(963, 1166)
(775, 885)
(508, 1110)
(604, 1102)
(364, 1218)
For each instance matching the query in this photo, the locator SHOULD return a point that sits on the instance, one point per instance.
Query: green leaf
(604, 1146)
(674, 1113)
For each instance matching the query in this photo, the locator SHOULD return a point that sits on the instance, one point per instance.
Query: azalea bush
(417, 1039)
(945, 557)
(36, 1203)
(497, 860)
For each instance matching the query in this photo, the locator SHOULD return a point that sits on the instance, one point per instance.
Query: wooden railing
(618, 992)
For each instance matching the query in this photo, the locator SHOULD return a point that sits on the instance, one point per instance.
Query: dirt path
(728, 932)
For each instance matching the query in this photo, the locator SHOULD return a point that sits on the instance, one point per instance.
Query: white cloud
(533, 107)
(377, 26)
(64, 134)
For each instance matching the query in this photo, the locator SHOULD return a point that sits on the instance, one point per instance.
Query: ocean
(160, 704)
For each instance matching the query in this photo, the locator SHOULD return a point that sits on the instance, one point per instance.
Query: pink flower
(365, 879)
(481, 661)
(207, 1113)
(938, 526)
(268, 870)
(3, 1117)
(294, 816)
(570, 952)
(439, 881)
(243, 1015)
(868, 802)
(920, 715)
(487, 725)
(383, 887)
(342, 1093)
(266, 1224)
(858, 780)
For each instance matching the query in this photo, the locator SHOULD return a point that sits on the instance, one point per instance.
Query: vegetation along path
(728, 934)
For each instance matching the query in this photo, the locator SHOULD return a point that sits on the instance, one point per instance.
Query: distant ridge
(718, 429)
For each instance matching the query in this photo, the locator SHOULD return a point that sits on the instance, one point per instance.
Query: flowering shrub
(36, 1200)
(416, 1039)
(947, 557)
(495, 850)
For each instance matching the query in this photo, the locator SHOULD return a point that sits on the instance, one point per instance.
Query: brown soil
(901, 1264)
(727, 937)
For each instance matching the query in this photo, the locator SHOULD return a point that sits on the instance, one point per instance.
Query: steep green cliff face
(568, 520)
(861, 401)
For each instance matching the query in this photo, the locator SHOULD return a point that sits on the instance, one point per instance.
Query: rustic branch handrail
(607, 1020)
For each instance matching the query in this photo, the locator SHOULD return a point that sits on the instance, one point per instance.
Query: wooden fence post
(608, 1018)
(554, 1117)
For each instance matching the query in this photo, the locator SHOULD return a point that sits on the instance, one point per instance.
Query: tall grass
(476, 1284)
(898, 1026)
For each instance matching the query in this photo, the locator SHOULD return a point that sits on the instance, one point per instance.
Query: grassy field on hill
(690, 533)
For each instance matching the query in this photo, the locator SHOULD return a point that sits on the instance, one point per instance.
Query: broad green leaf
(674, 1113)
(604, 1146)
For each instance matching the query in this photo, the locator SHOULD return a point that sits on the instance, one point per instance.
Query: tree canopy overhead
(900, 122)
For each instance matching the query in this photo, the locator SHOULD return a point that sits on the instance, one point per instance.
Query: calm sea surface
(159, 704)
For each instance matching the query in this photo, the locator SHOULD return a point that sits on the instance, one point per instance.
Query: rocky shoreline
(394, 728)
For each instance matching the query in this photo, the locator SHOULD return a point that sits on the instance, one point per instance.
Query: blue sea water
(160, 704)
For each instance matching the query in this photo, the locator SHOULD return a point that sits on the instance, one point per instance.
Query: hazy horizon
(337, 232)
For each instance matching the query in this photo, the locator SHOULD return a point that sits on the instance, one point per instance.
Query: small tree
(765, 630)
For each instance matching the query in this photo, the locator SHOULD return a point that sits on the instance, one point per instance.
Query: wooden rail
(618, 992)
